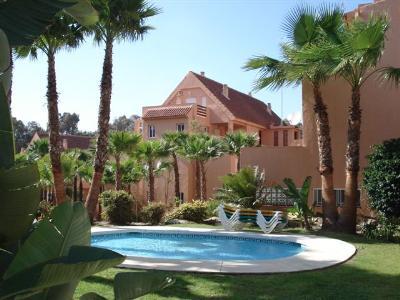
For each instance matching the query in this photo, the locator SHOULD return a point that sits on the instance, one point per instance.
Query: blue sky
(214, 36)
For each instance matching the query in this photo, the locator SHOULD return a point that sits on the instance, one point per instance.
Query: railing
(202, 111)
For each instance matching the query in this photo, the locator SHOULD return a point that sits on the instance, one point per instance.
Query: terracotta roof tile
(167, 111)
(241, 105)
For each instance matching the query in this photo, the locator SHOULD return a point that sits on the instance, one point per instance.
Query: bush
(212, 206)
(152, 213)
(245, 188)
(381, 229)
(382, 179)
(195, 211)
(44, 210)
(117, 207)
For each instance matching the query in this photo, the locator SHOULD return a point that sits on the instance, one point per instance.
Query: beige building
(285, 151)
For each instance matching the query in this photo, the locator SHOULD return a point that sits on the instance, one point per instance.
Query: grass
(374, 273)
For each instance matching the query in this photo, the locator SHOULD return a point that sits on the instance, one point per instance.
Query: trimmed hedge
(195, 211)
(153, 213)
(382, 179)
(117, 207)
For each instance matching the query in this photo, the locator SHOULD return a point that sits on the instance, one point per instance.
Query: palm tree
(150, 152)
(119, 20)
(306, 27)
(120, 143)
(238, 140)
(201, 148)
(38, 149)
(357, 54)
(64, 32)
(174, 142)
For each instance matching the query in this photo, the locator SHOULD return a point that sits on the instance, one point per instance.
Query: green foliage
(118, 206)
(44, 210)
(381, 229)
(299, 197)
(152, 213)
(382, 179)
(212, 206)
(238, 140)
(245, 188)
(123, 142)
(203, 147)
(195, 211)
(38, 149)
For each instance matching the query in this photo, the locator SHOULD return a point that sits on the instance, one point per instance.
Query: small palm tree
(174, 142)
(238, 140)
(64, 32)
(201, 148)
(299, 197)
(120, 143)
(119, 20)
(305, 28)
(38, 149)
(150, 152)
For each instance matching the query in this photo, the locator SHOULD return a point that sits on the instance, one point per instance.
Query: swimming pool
(196, 246)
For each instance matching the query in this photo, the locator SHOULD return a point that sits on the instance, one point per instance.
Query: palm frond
(390, 74)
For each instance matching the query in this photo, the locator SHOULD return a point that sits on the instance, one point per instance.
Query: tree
(238, 140)
(174, 142)
(38, 149)
(120, 143)
(69, 123)
(201, 148)
(356, 55)
(150, 152)
(123, 123)
(23, 133)
(64, 32)
(119, 20)
(305, 28)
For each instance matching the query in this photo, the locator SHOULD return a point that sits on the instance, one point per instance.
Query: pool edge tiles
(318, 253)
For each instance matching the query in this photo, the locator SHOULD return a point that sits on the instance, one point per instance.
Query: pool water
(195, 246)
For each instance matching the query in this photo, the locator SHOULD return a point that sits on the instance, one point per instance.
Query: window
(285, 138)
(180, 127)
(152, 131)
(191, 100)
(339, 196)
(276, 138)
(296, 135)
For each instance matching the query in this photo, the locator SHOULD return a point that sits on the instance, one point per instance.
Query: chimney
(225, 90)
(269, 107)
(202, 73)
(250, 94)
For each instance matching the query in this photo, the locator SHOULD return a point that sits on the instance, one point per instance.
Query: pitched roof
(71, 141)
(241, 105)
(167, 111)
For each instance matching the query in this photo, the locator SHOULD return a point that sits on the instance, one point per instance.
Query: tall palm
(150, 152)
(201, 148)
(120, 143)
(305, 28)
(174, 142)
(119, 20)
(236, 141)
(356, 57)
(64, 32)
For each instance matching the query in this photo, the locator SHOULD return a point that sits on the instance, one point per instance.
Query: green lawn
(374, 273)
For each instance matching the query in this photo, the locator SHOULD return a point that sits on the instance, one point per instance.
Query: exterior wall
(162, 126)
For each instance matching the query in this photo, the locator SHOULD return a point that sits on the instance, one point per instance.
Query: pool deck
(319, 252)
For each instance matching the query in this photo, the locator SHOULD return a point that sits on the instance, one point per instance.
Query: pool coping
(319, 253)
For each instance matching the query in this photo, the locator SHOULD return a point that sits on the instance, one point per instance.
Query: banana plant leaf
(80, 262)
(24, 20)
(5, 59)
(132, 285)
(67, 226)
(19, 199)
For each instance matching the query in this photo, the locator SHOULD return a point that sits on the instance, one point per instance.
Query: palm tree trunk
(54, 129)
(80, 189)
(151, 182)
(238, 163)
(103, 127)
(197, 167)
(176, 176)
(118, 180)
(330, 213)
(348, 216)
(203, 182)
(75, 192)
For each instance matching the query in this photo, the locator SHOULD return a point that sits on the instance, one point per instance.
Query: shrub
(152, 213)
(212, 206)
(245, 188)
(381, 229)
(382, 179)
(118, 207)
(44, 209)
(195, 211)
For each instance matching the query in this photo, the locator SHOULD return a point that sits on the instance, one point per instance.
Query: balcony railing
(202, 111)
